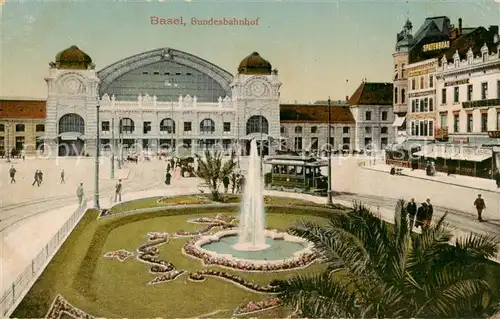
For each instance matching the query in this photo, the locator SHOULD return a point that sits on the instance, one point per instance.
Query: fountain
(251, 246)
(252, 230)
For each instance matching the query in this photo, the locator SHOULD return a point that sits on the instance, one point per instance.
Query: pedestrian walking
(62, 181)
(241, 183)
(480, 206)
(118, 191)
(80, 193)
(234, 180)
(497, 178)
(429, 211)
(177, 171)
(40, 177)
(168, 177)
(225, 181)
(12, 173)
(411, 208)
(36, 179)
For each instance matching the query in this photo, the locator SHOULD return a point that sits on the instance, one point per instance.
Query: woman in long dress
(177, 172)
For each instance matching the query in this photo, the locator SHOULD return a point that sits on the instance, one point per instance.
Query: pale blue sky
(315, 45)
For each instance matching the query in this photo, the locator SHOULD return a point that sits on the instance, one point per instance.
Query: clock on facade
(258, 88)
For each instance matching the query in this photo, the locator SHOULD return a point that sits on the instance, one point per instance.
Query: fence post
(13, 292)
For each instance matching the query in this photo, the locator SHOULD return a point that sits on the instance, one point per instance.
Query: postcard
(269, 159)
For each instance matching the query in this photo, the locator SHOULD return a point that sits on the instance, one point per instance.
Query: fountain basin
(285, 251)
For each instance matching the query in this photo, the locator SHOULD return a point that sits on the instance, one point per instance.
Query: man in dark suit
(411, 208)
(429, 211)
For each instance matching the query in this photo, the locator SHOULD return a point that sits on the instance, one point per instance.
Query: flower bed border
(232, 279)
(112, 255)
(235, 313)
(162, 281)
(60, 301)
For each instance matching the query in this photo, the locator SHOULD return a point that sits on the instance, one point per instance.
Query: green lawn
(109, 288)
(200, 199)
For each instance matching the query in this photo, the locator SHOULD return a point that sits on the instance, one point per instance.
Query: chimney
(347, 98)
(459, 26)
(493, 30)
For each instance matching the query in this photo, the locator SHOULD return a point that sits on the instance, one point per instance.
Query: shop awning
(399, 121)
(421, 153)
(70, 136)
(478, 157)
(438, 154)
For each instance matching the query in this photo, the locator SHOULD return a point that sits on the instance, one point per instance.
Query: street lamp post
(96, 180)
(172, 130)
(114, 146)
(171, 84)
(120, 142)
(238, 139)
(329, 153)
(7, 150)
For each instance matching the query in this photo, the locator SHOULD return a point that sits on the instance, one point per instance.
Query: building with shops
(372, 108)
(436, 38)
(305, 127)
(22, 124)
(468, 107)
(452, 97)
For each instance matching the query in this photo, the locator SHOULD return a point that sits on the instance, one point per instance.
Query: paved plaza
(31, 215)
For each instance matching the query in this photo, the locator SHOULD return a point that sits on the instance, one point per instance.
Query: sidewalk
(487, 185)
(119, 174)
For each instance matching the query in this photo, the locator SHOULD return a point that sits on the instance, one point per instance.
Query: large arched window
(207, 126)
(127, 126)
(167, 125)
(257, 124)
(71, 123)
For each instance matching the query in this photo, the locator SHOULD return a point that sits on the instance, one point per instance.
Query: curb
(435, 181)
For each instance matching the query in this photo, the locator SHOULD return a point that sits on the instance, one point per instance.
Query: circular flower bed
(194, 249)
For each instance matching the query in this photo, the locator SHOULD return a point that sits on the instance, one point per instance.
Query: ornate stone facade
(147, 122)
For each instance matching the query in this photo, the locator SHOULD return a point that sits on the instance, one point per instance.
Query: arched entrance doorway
(70, 139)
(258, 128)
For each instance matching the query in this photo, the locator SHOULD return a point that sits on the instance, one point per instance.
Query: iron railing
(20, 286)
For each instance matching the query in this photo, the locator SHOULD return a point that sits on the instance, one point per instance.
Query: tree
(389, 271)
(212, 170)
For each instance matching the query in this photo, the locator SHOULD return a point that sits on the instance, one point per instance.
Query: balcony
(441, 134)
(481, 103)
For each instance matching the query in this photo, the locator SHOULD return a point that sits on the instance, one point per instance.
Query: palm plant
(389, 271)
(212, 169)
